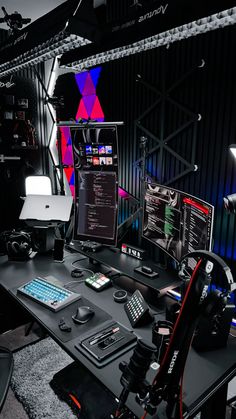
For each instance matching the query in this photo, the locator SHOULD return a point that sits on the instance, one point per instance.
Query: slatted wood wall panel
(209, 91)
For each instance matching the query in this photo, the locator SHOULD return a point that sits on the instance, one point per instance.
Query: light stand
(143, 177)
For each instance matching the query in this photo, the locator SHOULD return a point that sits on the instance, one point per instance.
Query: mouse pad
(51, 319)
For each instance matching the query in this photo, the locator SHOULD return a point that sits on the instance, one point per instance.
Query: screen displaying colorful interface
(177, 222)
(96, 183)
(95, 149)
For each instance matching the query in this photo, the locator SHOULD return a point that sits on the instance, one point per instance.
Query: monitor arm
(197, 300)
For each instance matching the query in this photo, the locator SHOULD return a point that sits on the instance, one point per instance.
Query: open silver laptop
(46, 208)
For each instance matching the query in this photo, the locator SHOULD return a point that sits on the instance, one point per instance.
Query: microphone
(134, 373)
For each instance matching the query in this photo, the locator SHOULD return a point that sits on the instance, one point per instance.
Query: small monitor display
(176, 222)
(93, 147)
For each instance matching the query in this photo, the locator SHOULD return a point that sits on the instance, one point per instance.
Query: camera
(230, 203)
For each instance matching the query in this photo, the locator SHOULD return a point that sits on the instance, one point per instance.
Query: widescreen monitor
(176, 222)
(96, 183)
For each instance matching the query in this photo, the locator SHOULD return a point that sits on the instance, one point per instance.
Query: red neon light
(75, 401)
(196, 205)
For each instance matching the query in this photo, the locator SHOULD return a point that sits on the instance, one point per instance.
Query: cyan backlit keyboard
(46, 293)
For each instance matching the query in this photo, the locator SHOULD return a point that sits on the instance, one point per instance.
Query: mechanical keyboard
(49, 295)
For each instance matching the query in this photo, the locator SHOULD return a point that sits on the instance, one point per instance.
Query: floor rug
(34, 368)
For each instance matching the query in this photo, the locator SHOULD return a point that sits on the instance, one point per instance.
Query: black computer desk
(123, 263)
(206, 374)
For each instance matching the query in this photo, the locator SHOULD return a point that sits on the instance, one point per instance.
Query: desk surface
(203, 374)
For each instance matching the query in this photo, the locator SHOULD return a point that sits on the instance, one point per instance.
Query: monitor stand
(161, 259)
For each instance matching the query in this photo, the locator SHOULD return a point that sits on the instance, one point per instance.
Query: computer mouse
(83, 314)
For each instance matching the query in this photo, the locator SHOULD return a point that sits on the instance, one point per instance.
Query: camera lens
(230, 203)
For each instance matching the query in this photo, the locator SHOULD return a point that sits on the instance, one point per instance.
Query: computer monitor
(175, 221)
(96, 182)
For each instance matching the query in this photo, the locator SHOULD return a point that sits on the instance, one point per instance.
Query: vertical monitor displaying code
(177, 222)
(96, 182)
(97, 206)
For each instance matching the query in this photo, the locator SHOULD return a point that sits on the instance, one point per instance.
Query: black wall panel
(201, 71)
(32, 161)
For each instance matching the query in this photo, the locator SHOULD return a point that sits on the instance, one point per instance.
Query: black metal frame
(163, 96)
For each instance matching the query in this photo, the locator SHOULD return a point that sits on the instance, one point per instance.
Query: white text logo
(160, 10)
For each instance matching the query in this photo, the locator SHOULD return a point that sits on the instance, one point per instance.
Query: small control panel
(91, 246)
(111, 340)
(137, 310)
(98, 282)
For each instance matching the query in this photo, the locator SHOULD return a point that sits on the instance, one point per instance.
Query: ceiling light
(42, 52)
(71, 25)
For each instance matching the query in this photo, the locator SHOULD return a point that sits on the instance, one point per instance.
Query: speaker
(58, 251)
(212, 332)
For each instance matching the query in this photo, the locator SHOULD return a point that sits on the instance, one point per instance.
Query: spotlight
(232, 148)
(230, 203)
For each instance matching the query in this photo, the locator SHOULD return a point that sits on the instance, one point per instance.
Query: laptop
(46, 208)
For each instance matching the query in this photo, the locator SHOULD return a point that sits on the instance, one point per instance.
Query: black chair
(6, 367)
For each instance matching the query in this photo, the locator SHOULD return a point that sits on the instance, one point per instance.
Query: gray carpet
(34, 368)
(13, 408)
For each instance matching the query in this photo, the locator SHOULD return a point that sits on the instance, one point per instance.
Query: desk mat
(51, 319)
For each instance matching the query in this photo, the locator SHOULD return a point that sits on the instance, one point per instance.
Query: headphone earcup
(19, 245)
(15, 247)
(24, 247)
(205, 254)
(214, 303)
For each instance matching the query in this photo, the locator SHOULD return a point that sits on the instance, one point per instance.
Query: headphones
(19, 245)
(216, 300)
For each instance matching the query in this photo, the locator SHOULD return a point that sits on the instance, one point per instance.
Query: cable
(82, 268)
(181, 398)
(75, 261)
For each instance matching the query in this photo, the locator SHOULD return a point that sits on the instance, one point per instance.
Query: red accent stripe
(196, 205)
(75, 401)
